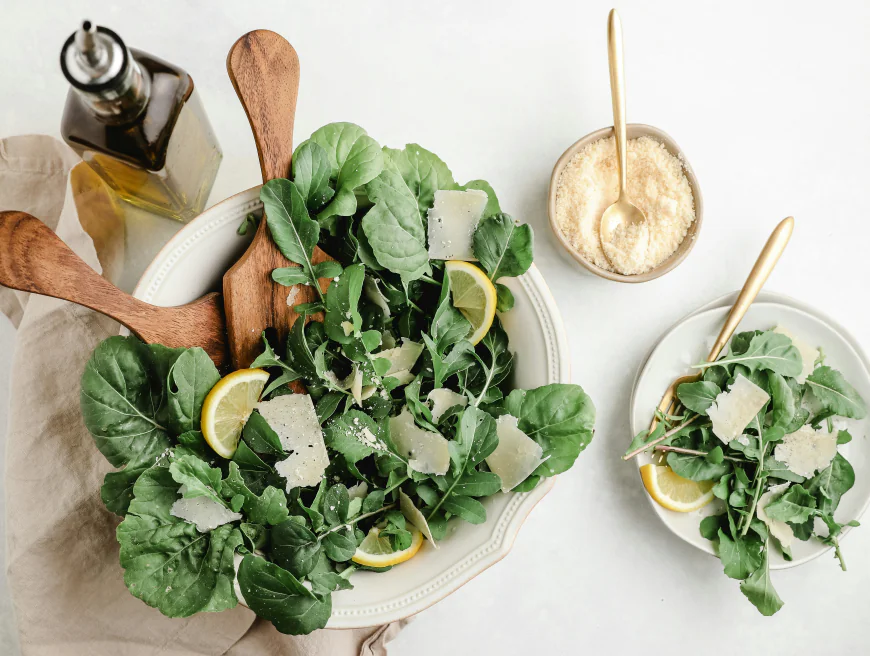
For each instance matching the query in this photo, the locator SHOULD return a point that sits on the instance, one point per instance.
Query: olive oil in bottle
(138, 122)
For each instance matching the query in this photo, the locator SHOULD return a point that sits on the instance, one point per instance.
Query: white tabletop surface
(768, 100)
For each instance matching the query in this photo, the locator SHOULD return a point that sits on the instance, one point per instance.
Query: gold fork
(768, 258)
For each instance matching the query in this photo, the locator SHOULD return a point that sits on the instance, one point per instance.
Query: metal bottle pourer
(101, 69)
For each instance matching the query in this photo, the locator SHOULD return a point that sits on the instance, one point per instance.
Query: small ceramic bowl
(633, 131)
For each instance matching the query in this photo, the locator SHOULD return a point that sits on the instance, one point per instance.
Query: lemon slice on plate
(375, 551)
(674, 492)
(228, 406)
(474, 295)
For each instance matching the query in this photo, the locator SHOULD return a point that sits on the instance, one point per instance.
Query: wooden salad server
(264, 70)
(762, 269)
(34, 259)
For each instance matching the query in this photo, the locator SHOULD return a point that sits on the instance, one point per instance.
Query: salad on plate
(237, 489)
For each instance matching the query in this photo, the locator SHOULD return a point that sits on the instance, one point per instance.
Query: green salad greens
(413, 420)
(762, 430)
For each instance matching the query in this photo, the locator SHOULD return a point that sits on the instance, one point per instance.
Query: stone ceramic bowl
(633, 131)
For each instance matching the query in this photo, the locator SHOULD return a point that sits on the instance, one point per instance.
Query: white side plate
(193, 263)
(689, 341)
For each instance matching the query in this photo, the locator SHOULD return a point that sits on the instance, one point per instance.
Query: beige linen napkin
(62, 557)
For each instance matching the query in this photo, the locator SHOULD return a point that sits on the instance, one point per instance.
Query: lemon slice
(674, 492)
(474, 295)
(228, 406)
(375, 551)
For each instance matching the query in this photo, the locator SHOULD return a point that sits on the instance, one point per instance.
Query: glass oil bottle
(139, 123)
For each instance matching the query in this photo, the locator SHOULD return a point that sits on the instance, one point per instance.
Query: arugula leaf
(492, 206)
(394, 245)
(275, 594)
(270, 508)
(504, 298)
(739, 556)
(503, 247)
(697, 468)
(830, 484)
(346, 434)
(197, 478)
(770, 351)
(168, 564)
(758, 588)
(467, 508)
(699, 396)
(190, 379)
(295, 547)
(293, 231)
(448, 325)
(342, 305)
(835, 394)
(559, 417)
(422, 171)
(311, 173)
(784, 404)
(390, 189)
(796, 505)
(260, 437)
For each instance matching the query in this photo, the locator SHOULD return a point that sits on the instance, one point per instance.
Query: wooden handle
(264, 70)
(34, 259)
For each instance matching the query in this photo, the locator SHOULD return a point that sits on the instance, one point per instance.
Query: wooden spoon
(34, 259)
(264, 70)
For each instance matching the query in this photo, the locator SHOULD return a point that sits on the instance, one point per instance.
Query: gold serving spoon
(768, 258)
(622, 211)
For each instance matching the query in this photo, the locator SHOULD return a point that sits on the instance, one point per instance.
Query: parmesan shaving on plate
(516, 456)
(809, 355)
(452, 222)
(293, 418)
(206, 513)
(443, 399)
(806, 451)
(732, 411)
(425, 451)
(778, 529)
(415, 517)
(402, 360)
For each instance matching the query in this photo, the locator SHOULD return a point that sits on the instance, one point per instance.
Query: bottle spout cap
(93, 57)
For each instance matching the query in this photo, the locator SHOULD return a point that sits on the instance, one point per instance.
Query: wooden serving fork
(768, 258)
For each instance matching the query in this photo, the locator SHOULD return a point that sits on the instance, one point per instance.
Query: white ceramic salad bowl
(688, 342)
(193, 263)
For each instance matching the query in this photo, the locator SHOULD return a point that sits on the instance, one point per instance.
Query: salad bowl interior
(193, 263)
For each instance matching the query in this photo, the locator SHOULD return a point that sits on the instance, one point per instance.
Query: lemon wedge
(375, 551)
(474, 295)
(228, 406)
(674, 492)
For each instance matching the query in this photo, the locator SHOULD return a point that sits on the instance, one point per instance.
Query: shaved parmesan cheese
(516, 456)
(415, 517)
(452, 222)
(809, 355)
(780, 530)
(358, 491)
(732, 411)
(402, 358)
(443, 399)
(387, 340)
(375, 295)
(347, 327)
(206, 513)
(404, 377)
(806, 451)
(293, 418)
(425, 451)
(293, 296)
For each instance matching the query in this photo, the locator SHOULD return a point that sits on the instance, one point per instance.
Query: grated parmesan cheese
(656, 183)
(205, 512)
(516, 456)
(425, 451)
(732, 411)
(293, 418)
(806, 451)
(452, 222)
(809, 355)
(778, 529)
(443, 399)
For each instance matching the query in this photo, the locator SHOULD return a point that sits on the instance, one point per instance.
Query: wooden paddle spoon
(34, 259)
(264, 70)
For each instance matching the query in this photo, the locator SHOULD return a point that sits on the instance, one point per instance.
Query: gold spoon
(768, 258)
(622, 211)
